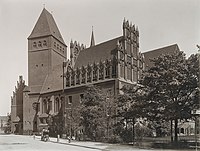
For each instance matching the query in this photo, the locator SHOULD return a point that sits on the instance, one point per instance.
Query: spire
(92, 39)
(46, 26)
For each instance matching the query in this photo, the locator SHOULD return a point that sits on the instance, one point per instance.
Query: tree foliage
(93, 112)
(172, 84)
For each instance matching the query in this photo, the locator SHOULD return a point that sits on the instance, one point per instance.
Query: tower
(46, 48)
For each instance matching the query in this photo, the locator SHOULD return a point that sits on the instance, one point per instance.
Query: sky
(160, 22)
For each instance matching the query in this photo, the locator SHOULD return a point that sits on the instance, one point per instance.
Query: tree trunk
(171, 130)
(176, 131)
(133, 129)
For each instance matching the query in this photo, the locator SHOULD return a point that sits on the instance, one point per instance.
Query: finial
(92, 28)
(124, 19)
(43, 5)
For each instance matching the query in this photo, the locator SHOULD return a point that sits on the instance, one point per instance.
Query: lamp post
(196, 113)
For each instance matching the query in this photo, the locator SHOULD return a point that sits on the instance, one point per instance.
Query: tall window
(81, 98)
(44, 106)
(107, 70)
(83, 75)
(70, 100)
(57, 105)
(95, 73)
(89, 74)
(49, 105)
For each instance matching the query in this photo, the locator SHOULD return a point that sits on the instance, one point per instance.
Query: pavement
(84, 144)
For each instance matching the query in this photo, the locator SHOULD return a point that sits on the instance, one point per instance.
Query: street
(27, 143)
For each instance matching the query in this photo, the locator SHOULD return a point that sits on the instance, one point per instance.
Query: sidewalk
(85, 144)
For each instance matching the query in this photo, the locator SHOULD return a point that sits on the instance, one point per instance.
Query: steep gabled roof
(96, 53)
(46, 26)
(157, 52)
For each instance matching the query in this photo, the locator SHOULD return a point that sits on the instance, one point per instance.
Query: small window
(45, 43)
(34, 44)
(57, 46)
(70, 100)
(39, 44)
(42, 65)
(36, 65)
(81, 98)
(54, 44)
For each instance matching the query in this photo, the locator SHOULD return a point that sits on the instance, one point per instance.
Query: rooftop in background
(148, 55)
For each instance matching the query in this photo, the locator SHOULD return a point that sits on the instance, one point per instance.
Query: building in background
(17, 107)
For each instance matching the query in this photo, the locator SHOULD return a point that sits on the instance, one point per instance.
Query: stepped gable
(97, 53)
(157, 52)
(46, 26)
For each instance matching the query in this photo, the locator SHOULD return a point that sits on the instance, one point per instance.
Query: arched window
(101, 72)
(39, 44)
(73, 78)
(34, 44)
(107, 69)
(44, 106)
(67, 79)
(89, 73)
(94, 73)
(83, 75)
(44, 43)
(77, 76)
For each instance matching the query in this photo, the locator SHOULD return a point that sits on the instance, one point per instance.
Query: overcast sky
(160, 23)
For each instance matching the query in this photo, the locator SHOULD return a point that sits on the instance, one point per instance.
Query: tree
(8, 124)
(93, 112)
(172, 84)
(129, 107)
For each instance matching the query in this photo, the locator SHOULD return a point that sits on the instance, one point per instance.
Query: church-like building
(56, 84)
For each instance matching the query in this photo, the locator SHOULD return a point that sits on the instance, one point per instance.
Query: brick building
(56, 84)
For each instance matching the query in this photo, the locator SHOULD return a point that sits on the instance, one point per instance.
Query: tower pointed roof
(46, 26)
(92, 39)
